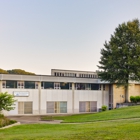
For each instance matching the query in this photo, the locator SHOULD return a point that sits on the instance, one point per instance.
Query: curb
(8, 126)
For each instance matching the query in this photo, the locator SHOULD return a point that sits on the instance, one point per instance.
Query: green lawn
(122, 113)
(108, 130)
(117, 129)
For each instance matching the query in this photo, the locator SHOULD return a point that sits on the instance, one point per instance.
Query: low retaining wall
(120, 105)
(8, 126)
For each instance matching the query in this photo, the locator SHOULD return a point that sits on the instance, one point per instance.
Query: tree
(19, 71)
(120, 59)
(6, 102)
(3, 71)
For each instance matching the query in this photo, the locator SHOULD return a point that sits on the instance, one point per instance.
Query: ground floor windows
(88, 106)
(56, 107)
(25, 108)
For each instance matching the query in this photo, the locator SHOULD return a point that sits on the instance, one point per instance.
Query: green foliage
(16, 71)
(1, 116)
(104, 108)
(6, 102)
(135, 99)
(120, 59)
(4, 121)
(19, 71)
(3, 71)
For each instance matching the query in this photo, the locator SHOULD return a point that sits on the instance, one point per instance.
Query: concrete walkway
(37, 120)
(32, 120)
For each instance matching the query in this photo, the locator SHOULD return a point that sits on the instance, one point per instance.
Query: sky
(40, 35)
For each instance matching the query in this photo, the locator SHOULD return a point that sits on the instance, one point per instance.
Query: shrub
(4, 121)
(1, 116)
(104, 108)
(135, 99)
(132, 99)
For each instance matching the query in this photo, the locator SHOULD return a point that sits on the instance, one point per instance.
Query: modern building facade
(63, 91)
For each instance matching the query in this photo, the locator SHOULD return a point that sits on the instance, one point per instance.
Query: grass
(118, 129)
(121, 113)
(115, 130)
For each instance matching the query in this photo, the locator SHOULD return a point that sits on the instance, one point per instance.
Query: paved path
(32, 120)
(36, 119)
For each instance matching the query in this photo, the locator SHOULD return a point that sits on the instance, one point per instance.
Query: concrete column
(39, 98)
(73, 88)
(102, 94)
(0, 86)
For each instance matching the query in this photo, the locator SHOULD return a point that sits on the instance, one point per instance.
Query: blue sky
(40, 35)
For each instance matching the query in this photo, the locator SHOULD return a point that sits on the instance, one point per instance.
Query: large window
(80, 86)
(88, 106)
(29, 84)
(11, 84)
(53, 85)
(64, 85)
(56, 107)
(47, 85)
(94, 86)
(25, 108)
(88, 86)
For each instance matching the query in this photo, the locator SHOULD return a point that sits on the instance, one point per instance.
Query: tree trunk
(126, 94)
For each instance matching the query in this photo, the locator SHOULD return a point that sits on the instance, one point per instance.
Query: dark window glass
(80, 86)
(94, 86)
(29, 84)
(48, 85)
(42, 85)
(11, 84)
(64, 85)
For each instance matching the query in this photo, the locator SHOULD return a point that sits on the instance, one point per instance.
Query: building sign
(21, 93)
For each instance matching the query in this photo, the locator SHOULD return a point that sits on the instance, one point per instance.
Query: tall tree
(6, 102)
(120, 59)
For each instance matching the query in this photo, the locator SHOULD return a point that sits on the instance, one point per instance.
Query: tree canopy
(120, 59)
(16, 71)
(3, 71)
(19, 71)
(6, 102)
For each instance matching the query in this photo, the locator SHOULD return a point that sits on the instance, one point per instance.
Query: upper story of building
(74, 73)
(63, 80)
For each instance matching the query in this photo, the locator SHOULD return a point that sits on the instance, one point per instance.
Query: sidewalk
(32, 120)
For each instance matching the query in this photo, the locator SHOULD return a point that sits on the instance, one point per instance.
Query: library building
(62, 92)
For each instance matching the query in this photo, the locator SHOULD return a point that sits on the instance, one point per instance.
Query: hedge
(135, 99)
